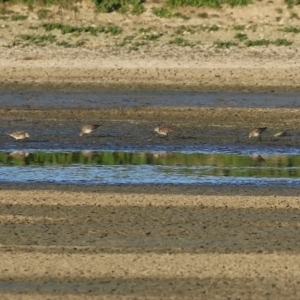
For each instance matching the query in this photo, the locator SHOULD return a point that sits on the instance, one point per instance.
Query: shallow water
(109, 167)
(110, 99)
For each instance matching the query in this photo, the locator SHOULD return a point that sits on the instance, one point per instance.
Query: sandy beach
(153, 242)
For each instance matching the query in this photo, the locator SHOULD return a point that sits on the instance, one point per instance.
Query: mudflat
(152, 242)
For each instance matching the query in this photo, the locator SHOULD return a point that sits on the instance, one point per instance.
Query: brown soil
(149, 242)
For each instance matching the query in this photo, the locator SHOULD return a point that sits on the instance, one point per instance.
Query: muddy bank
(132, 128)
(153, 242)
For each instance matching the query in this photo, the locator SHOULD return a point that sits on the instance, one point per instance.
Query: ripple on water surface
(108, 167)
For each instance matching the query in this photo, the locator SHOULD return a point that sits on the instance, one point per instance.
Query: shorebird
(19, 135)
(257, 132)
(19, 154)
(257, 157)
(281, 133)
(88, 129)
(163, 130)
(88, 153)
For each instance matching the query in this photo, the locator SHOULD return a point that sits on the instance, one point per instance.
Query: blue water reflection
(108, 167)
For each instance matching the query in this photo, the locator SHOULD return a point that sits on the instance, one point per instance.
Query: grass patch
(122, 6)
(213, 28)
(145, 30)
(180, 42)
(203, 15)
(39, 40)
(67, 29)
(292, 3)
(136, 46)
(185, 29)
(18, 17)
(152, 36)
(162, 12)
(43, 14)
(279, 10)
(126, 40)
(181, 16)
(291, 29)
(282, 42)
(207, 3)
(224, 44)
(241, 36)
(64, 44)
(262, 42)
(239, 27)
(138, 9)
(294, 15)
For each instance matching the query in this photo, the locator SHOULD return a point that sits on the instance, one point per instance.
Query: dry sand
(67, 242)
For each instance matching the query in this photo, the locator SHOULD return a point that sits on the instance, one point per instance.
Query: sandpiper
(19, 135)
(257, 132)
(163, 130)
(281, 133)
(19, 154)
(88, 129)
(257, 157)
(88, 153)
(163, 154)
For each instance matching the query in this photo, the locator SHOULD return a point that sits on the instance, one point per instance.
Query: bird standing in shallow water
(88, 129)
(163, 130)
(19, 135)
(257, 132)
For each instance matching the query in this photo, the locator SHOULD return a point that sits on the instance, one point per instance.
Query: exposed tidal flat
(150, 241)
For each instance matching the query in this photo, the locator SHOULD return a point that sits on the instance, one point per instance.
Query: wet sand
(132, 128)
(149, 242)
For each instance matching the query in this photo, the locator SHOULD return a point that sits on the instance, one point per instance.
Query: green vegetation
(224, 44)
(43, 14)
(241, 36)
(239, 27)
(66, 29)
(152, 36)
(162, 12)
(263, 42)
(291, 29)
(39, 40)
(203, 15)
(181, 42)
(126, 40)
(279, 10)
(136, 46)
(185, 29)
(123, 6)
(180, 15)
(294, 15)
(18, 17)
(282, 42)
(207, 3)
(213, 28)
(292, 3)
